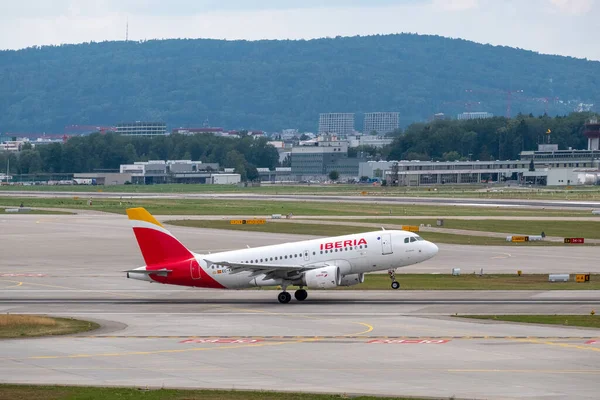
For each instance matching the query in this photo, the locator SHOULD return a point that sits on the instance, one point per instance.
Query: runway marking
(143, 353)
(11, 286)
(221, 341)
(566, 345)
(502, 256)
(320, 337)
(408, 341)
(17, 275)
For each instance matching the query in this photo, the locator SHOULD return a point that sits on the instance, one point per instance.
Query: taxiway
(388, 342)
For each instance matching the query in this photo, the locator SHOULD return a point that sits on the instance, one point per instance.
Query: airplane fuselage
(354, 255)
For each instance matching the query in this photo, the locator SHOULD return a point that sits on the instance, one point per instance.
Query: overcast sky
(566, 27)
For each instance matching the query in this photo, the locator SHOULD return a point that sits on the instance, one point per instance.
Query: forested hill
(273, 85)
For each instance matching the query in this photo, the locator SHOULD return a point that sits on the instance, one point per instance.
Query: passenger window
(286, 257)
(365, 246)
(314, 253)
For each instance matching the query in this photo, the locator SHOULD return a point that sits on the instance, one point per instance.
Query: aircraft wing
(257, 269)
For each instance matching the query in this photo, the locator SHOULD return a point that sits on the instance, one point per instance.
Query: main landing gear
(301, 294)
(284, 297)
(395, 284)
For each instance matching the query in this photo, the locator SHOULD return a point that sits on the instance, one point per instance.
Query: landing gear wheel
(301, 294)
(395, 285)
(284, 297)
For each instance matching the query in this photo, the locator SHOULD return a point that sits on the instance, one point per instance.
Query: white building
(474, 115)
(338, 123)
(369, 140)
(381, 122)
(226, 179)
(140, 128)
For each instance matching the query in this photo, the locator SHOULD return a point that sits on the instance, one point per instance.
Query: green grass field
(586, 229)
(470, 281)
(266, 208)
(339, 230)
(588, 321)
(28, 392)
(20, 326)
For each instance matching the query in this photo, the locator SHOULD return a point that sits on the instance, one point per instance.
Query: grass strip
(588, 321)
(19, 326)
(266, 208)
(470, 281)
(339, 230)
(456, 191)
(27, 392)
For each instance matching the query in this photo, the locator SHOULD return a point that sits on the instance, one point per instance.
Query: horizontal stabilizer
(159, 272)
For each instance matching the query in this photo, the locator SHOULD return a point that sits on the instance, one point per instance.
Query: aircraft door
(386, 244)
(306, 255)
(195, 269)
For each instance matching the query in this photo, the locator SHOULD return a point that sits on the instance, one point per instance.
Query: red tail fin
(157, 244)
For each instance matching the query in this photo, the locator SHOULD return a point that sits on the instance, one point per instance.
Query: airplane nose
(433, 249)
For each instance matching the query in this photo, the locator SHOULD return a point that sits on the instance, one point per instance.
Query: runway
(370, 342)
(383, 199)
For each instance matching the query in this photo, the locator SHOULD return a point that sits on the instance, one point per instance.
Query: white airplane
(314, 264)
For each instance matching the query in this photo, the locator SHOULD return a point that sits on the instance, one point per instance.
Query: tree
(246, 85)
(334, 175)
(451, 156)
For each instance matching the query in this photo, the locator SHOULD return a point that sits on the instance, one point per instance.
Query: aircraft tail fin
(157, 244)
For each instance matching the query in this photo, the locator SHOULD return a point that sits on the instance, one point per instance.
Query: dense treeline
(272, 85)
(487, 139)
(107, 152)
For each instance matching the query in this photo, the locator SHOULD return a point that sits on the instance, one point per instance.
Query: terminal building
(317, 159)
(177, 171)
(546, 166)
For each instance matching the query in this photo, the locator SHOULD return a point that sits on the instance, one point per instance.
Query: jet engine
(351, 280)
(323, 278)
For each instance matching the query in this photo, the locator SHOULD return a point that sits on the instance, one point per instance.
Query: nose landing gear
(395, 284)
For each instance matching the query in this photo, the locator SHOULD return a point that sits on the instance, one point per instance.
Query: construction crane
(508, 93)
(89, 128)
(467, 104)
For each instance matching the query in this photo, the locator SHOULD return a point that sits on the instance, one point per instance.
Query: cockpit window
(419, 238)
(406, 240)
(412, 239)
